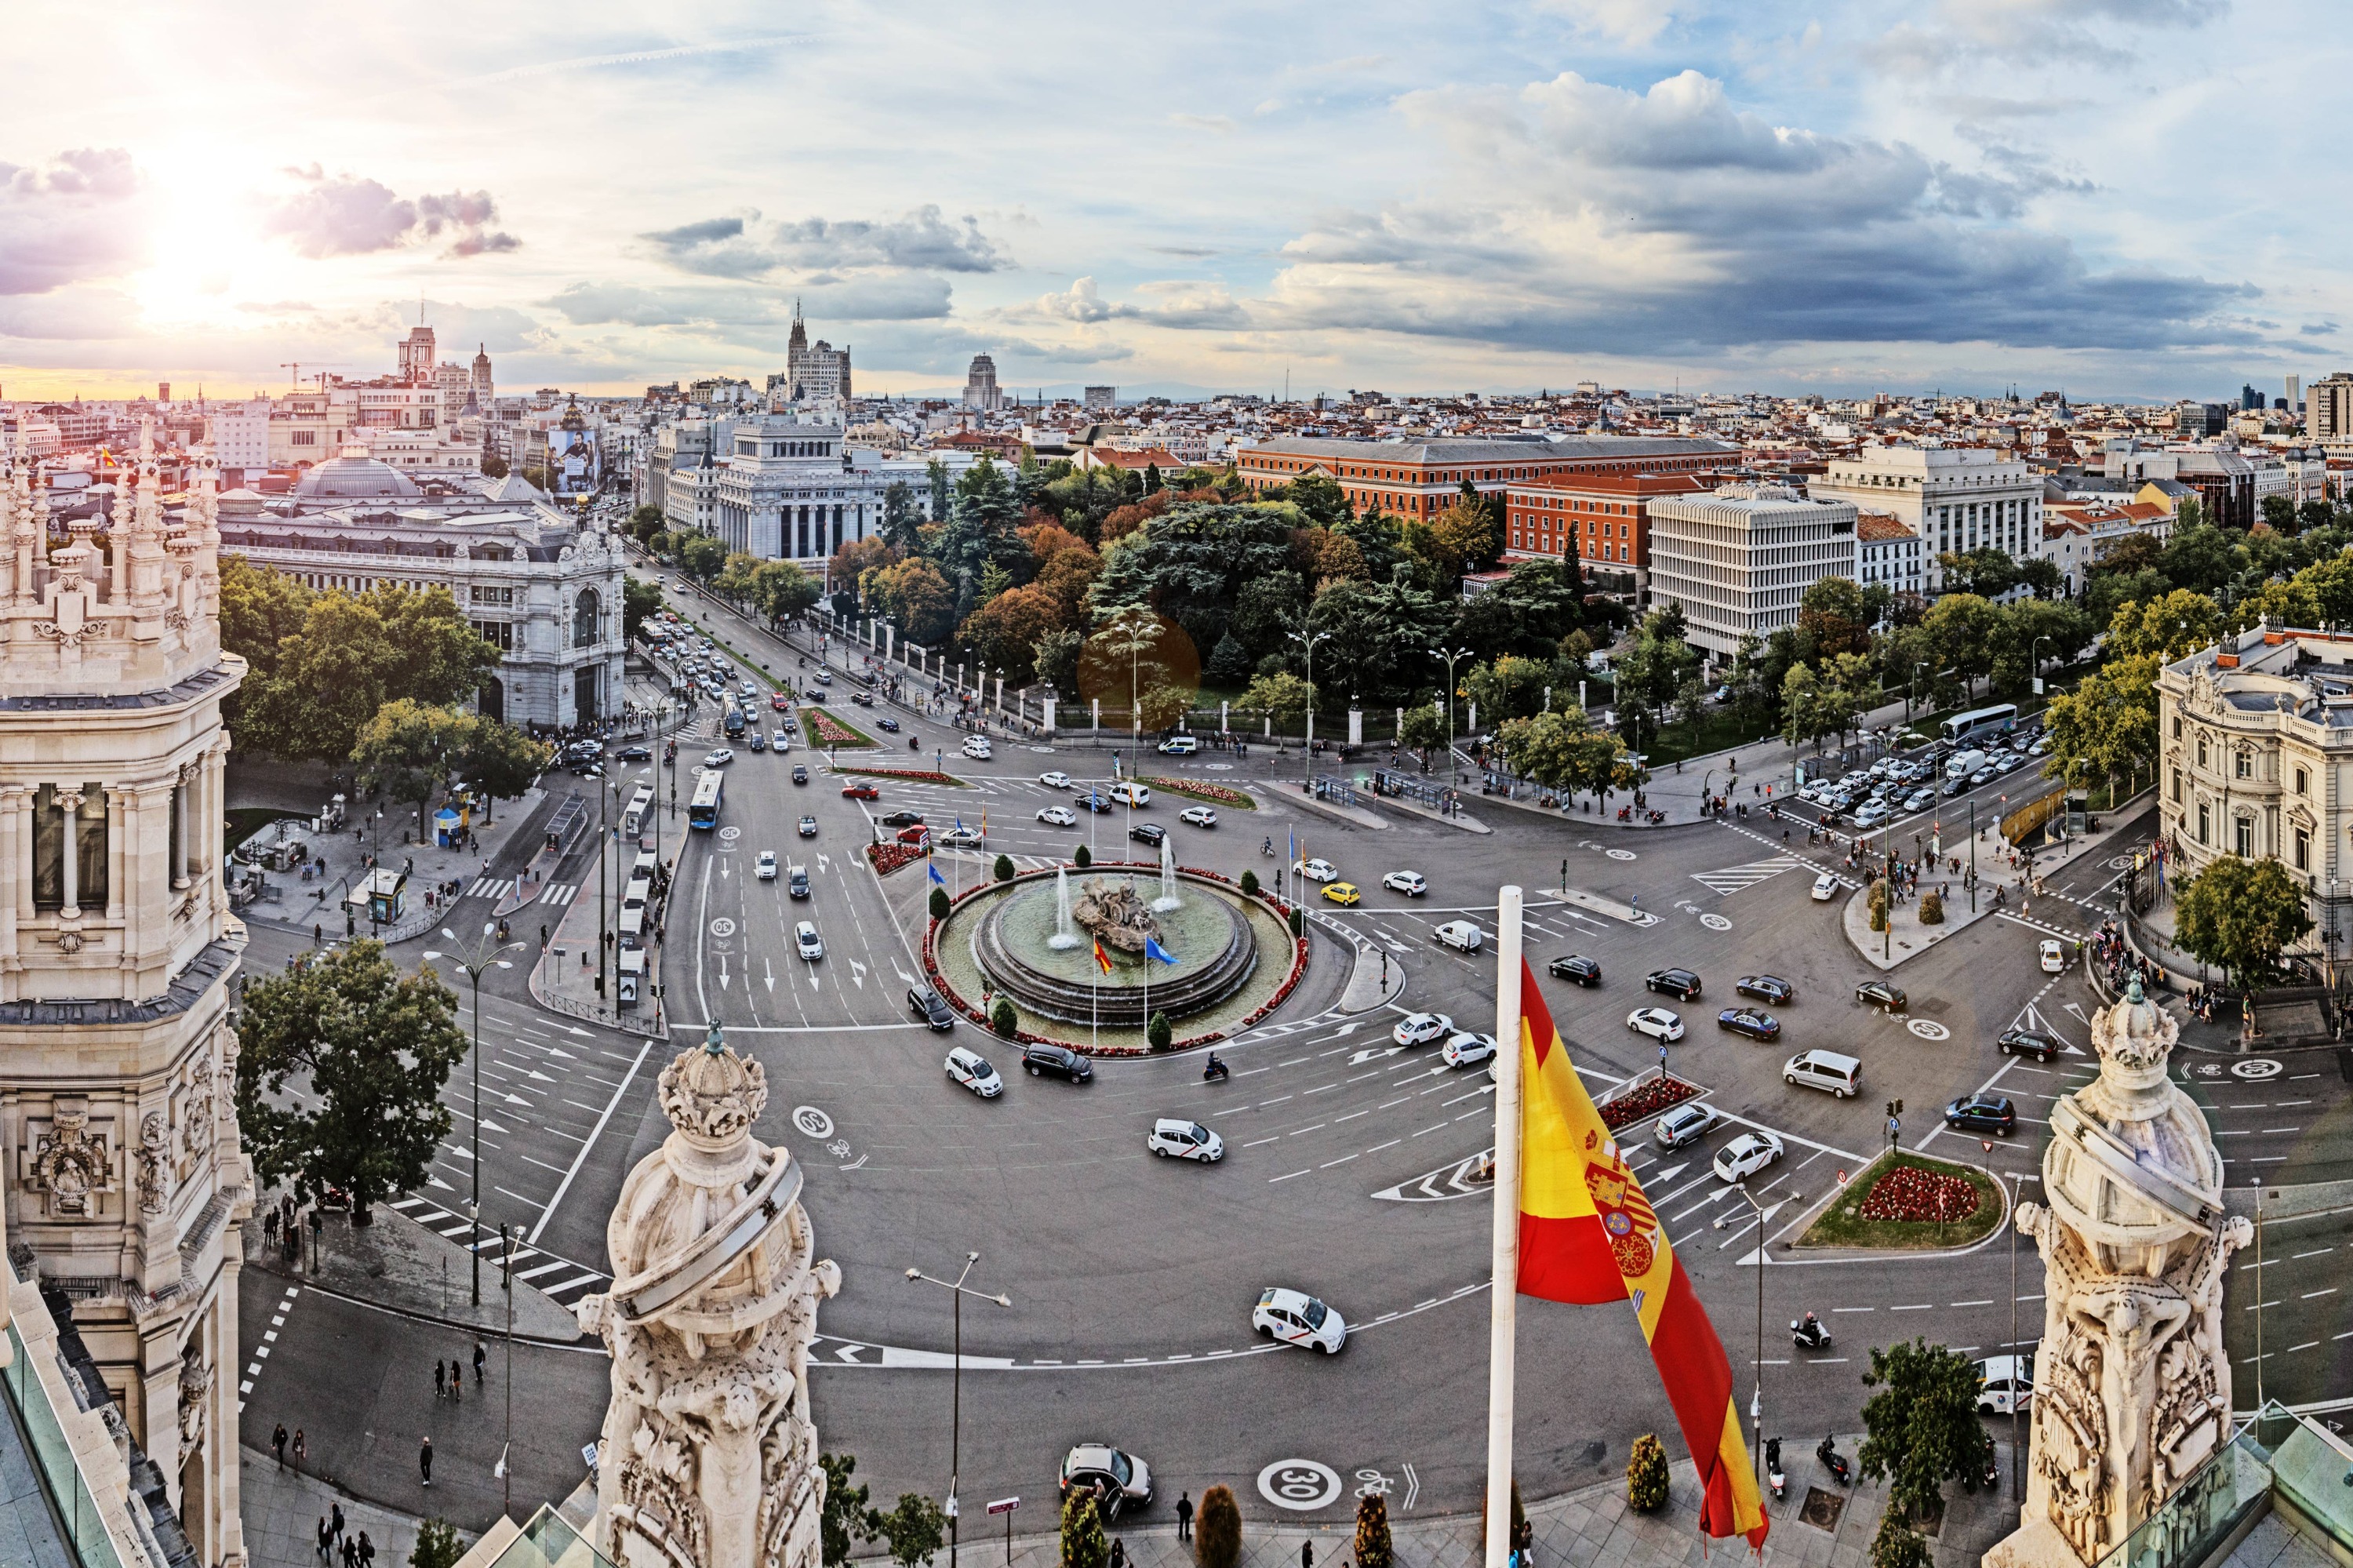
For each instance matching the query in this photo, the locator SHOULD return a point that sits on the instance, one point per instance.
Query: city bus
(641, 805)
(1962, 728)
(703, 810)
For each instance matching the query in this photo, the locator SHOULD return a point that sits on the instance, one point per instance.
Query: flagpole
(1503, 1300)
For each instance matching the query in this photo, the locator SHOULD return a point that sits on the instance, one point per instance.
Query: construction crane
(294, 368)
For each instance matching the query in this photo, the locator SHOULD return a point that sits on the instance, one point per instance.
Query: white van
(1837, 1076)
(1130, 792)
(1179, 745)
(1964, 764)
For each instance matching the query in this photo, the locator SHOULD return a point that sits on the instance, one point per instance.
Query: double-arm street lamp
(1307, 639)
(1451, 655)
(1757, 1388)
(484, 957)
(958, 1290)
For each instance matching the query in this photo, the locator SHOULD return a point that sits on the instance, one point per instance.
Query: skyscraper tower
(117, 953)
(481, 386)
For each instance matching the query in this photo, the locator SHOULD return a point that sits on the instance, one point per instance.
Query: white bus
(1962, 728)
(641, 804)
(703, 812)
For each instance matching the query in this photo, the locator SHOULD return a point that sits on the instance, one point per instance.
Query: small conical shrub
(1373, 1548)
(1217, 1529)
(939, 904)
(1646, 1475)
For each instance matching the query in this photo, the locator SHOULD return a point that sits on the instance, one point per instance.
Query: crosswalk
(560, 1280)
(1732, 878)
(559, 893)
(491, 888)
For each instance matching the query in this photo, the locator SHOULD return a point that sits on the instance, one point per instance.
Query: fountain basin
(1217, 952)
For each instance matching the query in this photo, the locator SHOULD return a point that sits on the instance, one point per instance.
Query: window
(2201, 821)
(583, 618)
(89, 848)
(2242, 764)
(2176, 726)
(2243, 837)
(2201, 751)
(2303, 850)
(2299, 781)
(2177, 786)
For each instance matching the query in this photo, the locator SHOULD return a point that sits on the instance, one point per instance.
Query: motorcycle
(1810, 1336)
(914, 743)
(1773, 1467)
(1835, 1463)
(1216, 1071)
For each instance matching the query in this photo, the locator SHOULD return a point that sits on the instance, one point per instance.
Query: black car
(1094, 801)
(814, 697)
(2028, 1043)
(1058, 1060)
(1766, 987)
(633, 754)
(1585, 972)
(1749, 1021)
(1983, 1113)
(1681, 983)
(800, 773)
(799, 884)
(808, 827)
(928, 1006)
(1151, 833)
(1879, 993)
(887, 722)
(903, 820)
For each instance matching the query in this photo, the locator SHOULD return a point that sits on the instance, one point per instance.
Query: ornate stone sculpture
(709, 1454)
(2132, 1386)
(1114, 913)
(70, 1161)
(154, 1151)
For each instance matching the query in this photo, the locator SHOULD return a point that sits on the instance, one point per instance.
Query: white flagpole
(1503, 1300)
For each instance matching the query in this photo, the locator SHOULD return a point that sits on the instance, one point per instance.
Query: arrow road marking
(857, 974)
(771, 969)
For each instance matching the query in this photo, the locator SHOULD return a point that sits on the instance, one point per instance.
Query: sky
(2119, 199)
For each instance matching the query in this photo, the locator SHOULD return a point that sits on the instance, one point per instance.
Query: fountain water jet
(1167, 899)
(1064, 938)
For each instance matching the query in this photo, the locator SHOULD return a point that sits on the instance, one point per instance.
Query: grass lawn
(1842, 1225)
(834, 732)
(244, 822)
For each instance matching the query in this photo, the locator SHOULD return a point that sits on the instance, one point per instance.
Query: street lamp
(2034, 656)
(1756, 1388)
(958, 1290)
(1451, 655)
(1307, 639)
(485, 956)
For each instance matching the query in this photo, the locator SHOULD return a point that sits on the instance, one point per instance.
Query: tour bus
(703, 810)
(641, 805)
(1962, 728)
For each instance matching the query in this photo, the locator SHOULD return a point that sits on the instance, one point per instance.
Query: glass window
(2243, 765)
(2303, 850)
(2201, 823)
(50, 849)
(2299, 781)
(2243, 837)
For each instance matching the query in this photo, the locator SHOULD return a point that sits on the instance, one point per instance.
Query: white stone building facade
(1956, 498)
(787, 491)
(1739, 559)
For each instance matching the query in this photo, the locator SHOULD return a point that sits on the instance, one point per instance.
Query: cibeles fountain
(2132, 1387)
(709, 1454)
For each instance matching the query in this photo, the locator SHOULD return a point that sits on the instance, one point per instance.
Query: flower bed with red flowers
(890, 857)
(823, 729)
(1920, 1197)
(1645, 1099)
(1216, 794)
(913, 775)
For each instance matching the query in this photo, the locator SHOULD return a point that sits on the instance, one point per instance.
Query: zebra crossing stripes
(1732, 878)
(559, 893)
(542, 1270)
(491, 888)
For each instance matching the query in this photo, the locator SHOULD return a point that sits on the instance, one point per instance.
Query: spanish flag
(1102, 959)
(1588, 1236)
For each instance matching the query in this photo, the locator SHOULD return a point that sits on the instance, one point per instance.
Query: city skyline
(2043, 193)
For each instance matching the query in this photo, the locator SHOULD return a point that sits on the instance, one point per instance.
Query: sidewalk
(282, 1510)
(563, 978)
(1905, 937)
(1817, 1524)
(401, 1266)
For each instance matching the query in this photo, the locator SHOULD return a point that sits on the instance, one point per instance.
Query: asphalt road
(1131, 1279)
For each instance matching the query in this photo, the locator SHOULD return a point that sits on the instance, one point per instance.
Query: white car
(1745, 1155)
(971, 1069)
(1130, 792)
(1298, 1319)
(2004, 1382)
(1317, 870)
(1826, 887)
(1199, 816)
(1055, 780)
(1410, 882)
(2054, 956)
(806, 942)
(1058, 816)
(1463, 935)
(767, 866)
(1468, 1050)
(1421, 1028)
(1871, 815)
(719, 759)
(1174, 1137)
(977, 748)
(1658, 1022)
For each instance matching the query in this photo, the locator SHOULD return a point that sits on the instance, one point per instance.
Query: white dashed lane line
(269, 1337)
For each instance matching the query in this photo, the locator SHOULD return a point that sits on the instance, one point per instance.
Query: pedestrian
(436, 1378)
(278, 1441)
(351, 1553)
(456, 1380)
(335, 1518)
(326, 1539)
(301, 1449)
(424, 1461)
(1307, 1554)
(367, 1551)
(1118, 1552)
(1183, 1516)
(480, 1355)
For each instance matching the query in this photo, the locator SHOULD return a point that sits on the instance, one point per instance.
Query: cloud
(1584, 218)
(746, 246)
(77, 219)
(1081, 302)
(1223, 124)
(346, 216)
(1633, 24)
(2073, 33)
(731, 311)
(2317, 329)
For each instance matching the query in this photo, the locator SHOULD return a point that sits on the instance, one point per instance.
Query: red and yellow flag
(1102, 959)
(1588, 1236)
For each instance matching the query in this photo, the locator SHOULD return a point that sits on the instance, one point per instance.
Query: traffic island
(1909, 1202)
(1907, 936)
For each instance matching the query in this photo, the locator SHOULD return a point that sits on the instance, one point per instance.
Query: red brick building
(1421, 479)
(1602, 518)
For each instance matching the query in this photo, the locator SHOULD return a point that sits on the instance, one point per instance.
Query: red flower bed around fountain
(1645, 1099)
(890, 857)
(1922, 1197)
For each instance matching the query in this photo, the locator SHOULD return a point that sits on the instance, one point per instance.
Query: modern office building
(1738, 559)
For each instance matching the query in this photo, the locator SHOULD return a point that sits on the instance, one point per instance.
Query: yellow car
(1341, 892)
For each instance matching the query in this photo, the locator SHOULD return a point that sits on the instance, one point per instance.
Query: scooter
(914, 743)
(1835, 1463)
(1216, 1071)
(1810, 1336)
(1773, 1475)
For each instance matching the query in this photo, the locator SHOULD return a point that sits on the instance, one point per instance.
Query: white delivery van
(1828, 1071)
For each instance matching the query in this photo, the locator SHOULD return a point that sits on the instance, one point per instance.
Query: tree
(1989, 572)
(1284, 698)
(1003, 1021)
(1248, 882)
(936, 481)
(1509, 688)
(781, 590)
(1921, 1428)
(1897, 1545)
(408, 749)
(1319, 497)
(942, 902)
(1003, 869)
(328, 683)
(438, 1545)
(915, 1529)
(1652, 671)
(2240, 914)
(1003, 633)
(1563, 751)
(495, 467)
(2107, 724)
(501, 761)
(376, 1043)
(1833, 617)
(1192, 564)
(1217, 1529)
(901, 523)
(2172, 626)
(646, 522)
(847, 1521)
(916, 597)
(703, 557)
(1159, 1032)
(1082, 858)
(436, 657)
(640, 597)
(1424, 728)
(2033, 631)
(1084, 1544)
(1374, 1548)
(1646, 1475)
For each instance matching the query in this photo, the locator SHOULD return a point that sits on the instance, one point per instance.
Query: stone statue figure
(709, 1455)
(2132, 1386)
(1114, 913)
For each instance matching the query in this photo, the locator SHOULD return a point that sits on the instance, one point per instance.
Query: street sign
(1005, 1505)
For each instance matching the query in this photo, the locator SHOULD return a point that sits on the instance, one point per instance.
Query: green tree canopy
(1282, 697)
(437, 658)
(703, 557)
(640, 598)
(2240, 914)
(847, 1520)
(500, 760)
(408, 749)
(2172, 626)
(1509, 688)
(1193, 562)
(1921, 1426)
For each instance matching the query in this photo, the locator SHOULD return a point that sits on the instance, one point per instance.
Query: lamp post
(2034, 657)
(1757, 1388)
(1307, 639)
(1451, 655)
(485, 956)
(958, 1290)
(1911, 692)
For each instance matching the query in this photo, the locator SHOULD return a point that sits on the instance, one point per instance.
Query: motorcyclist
(1215, 1069)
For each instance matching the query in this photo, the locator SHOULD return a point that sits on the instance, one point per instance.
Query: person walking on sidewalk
(278, 1441)
(367, 1551)
(425, 1460)
(1183, 1516)
(1306, 1555)
(438, 1389)
(335, 1518)
(482, 1354)
(456, 1380)
(301, 1449)
(326, 1540)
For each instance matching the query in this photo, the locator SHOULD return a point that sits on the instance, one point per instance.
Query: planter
(1645, 1100)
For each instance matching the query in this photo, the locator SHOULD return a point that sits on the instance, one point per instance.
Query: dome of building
(354, 476)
